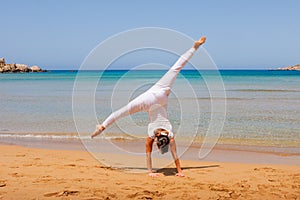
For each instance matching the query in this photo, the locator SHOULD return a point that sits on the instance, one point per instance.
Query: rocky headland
(294, 67)
(18, 68)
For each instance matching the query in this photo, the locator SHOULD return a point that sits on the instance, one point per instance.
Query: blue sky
(256, 34)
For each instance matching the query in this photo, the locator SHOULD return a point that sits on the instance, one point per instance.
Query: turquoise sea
(262, 107)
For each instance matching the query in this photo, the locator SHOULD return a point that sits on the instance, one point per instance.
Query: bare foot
(98, 131)
(198, 43)
(154, 174)
(179, 174)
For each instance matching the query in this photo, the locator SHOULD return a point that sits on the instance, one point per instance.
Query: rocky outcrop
(35, 69)
(295, 67)
(22, 68)
(15, 68)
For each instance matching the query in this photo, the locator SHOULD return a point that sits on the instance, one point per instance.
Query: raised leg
(168, 79)
(136, 105)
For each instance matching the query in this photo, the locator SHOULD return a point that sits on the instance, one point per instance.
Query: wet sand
(35, 173)
(220, 153)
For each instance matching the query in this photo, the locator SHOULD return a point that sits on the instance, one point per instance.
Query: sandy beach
(32, 173)
(86, 85)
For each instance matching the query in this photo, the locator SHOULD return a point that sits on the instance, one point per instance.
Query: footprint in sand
(290, 196)
(62, 193)
(243, 186)
(50, 194)
(2, 184)
(111, 196)
(224, 192)
(130, 188)
(14, 167)
(78, 179)
(70, 165)
(27, 165)
(146, 194)
(99, 192)
(219, 189)
(265, 169)
(199, 185)
(274, 189)
(20, 155)
(16, 175)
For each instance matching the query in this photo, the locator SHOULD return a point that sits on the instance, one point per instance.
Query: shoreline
(35, 173)
(220, 152)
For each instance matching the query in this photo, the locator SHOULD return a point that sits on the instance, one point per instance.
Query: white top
(158, 118)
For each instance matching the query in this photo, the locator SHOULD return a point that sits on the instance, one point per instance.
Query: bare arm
(149, 144)
(175, 157)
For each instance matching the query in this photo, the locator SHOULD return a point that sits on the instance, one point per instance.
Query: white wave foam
(41, 136)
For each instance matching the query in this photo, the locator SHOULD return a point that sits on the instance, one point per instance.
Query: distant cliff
(15, 68)
(295, 67)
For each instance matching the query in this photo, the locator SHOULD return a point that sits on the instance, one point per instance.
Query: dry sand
(28, 173)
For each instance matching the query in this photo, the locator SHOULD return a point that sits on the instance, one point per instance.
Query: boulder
(9, 68)
(36, 69)
(22, 68)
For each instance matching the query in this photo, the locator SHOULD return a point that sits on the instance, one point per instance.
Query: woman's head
(162, 139)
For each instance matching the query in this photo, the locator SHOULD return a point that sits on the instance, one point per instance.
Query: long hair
(162, 140)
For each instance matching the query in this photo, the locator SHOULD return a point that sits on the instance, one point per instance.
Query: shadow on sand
(168, 171)
(172, 171)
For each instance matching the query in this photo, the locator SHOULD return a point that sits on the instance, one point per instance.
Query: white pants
(154, 101)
